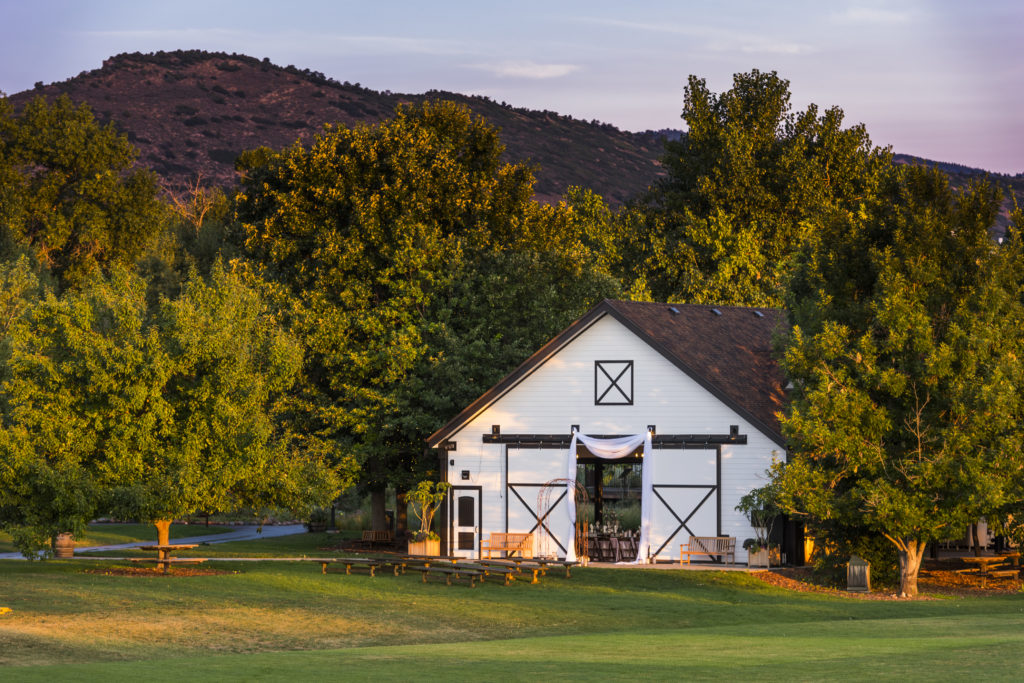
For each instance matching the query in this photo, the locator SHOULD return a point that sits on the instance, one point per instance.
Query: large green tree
(906, 362)
(747, 179)
(109, 406)
(419, 270)
(69, 192)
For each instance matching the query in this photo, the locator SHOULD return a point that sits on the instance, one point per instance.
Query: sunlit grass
(595, 625)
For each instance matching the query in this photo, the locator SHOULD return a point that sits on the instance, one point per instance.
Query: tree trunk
(910, 557)
(401, 516)
(975, 541)
(163, 531)
(377, 517)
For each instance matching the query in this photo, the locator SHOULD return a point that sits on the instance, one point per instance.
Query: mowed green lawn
(113, 534)
(287, 621)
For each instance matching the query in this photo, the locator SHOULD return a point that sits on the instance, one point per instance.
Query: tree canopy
(420, 270)
(743, 184)
(905, 358)
(111, 407)
(68, 192)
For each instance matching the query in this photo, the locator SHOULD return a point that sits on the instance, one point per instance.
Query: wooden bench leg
(534, 577)
(323, 567)
(373, 569)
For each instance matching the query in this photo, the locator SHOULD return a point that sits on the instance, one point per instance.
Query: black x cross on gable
(613, 382)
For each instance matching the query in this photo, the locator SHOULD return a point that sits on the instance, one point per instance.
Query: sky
(940, 79)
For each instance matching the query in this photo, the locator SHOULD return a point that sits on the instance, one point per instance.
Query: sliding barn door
(686, 500)
(528, 470)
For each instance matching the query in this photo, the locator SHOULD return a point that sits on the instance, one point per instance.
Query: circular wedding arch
(548, 497)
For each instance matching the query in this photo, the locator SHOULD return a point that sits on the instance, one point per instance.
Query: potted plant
(761, 508)
(319, 519)
(761, 553)
(426, 498)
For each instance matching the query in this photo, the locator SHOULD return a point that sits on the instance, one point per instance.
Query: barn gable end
(702, 376)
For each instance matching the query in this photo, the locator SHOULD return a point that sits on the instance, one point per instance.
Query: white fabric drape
(611, 449)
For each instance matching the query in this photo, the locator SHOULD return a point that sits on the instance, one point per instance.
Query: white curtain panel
(611, 449)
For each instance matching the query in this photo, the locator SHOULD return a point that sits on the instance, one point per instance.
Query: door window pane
(467, 511)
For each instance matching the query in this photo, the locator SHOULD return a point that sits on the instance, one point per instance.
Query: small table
(164, 553)
(984, 564)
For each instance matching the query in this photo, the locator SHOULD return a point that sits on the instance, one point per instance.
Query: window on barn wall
(613, 382)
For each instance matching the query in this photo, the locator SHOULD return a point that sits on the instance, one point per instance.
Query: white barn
(701, 377)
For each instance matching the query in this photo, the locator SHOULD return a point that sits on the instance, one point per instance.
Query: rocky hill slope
(191, 112)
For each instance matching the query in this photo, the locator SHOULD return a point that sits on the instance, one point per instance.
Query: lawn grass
(113, 534)
(286, 620)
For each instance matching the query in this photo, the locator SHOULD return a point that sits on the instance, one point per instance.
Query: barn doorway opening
(611, 519)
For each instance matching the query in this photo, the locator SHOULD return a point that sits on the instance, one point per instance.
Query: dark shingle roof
(726, 349)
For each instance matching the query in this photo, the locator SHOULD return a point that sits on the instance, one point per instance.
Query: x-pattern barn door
(678, 508)
(687, 498)
(528, 470)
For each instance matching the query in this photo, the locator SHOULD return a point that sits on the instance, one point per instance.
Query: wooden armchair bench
(709, 546)
(508, 543)
(372, 539)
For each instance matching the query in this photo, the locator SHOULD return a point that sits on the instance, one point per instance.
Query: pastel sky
(941, 79)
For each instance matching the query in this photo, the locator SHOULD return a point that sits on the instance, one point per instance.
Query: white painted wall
(560, 393)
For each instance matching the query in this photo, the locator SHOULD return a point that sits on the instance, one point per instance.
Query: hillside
(960, 176)
(190, 113)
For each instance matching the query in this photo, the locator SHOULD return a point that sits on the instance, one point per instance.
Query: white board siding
(560, 393)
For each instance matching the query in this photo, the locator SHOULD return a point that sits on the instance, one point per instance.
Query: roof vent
(759, 314)
(673, 310)
(716, 311)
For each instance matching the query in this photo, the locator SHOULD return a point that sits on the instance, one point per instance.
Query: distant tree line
(169, 353)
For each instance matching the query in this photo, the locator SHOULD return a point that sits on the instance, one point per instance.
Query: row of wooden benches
(473, 570)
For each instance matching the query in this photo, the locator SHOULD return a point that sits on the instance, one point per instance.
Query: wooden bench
(997, 572)
(166, 562)
(519, 566)
(448, 573)
(349, 562)
(508, 543)
(488, 569)
(372, 538)
(709, 546)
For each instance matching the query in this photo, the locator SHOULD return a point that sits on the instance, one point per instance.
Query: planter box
(429, 548)
(764, 558)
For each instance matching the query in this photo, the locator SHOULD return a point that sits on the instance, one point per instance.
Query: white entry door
(465, 516)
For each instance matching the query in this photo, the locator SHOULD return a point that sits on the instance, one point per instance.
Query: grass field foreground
(286, 620)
